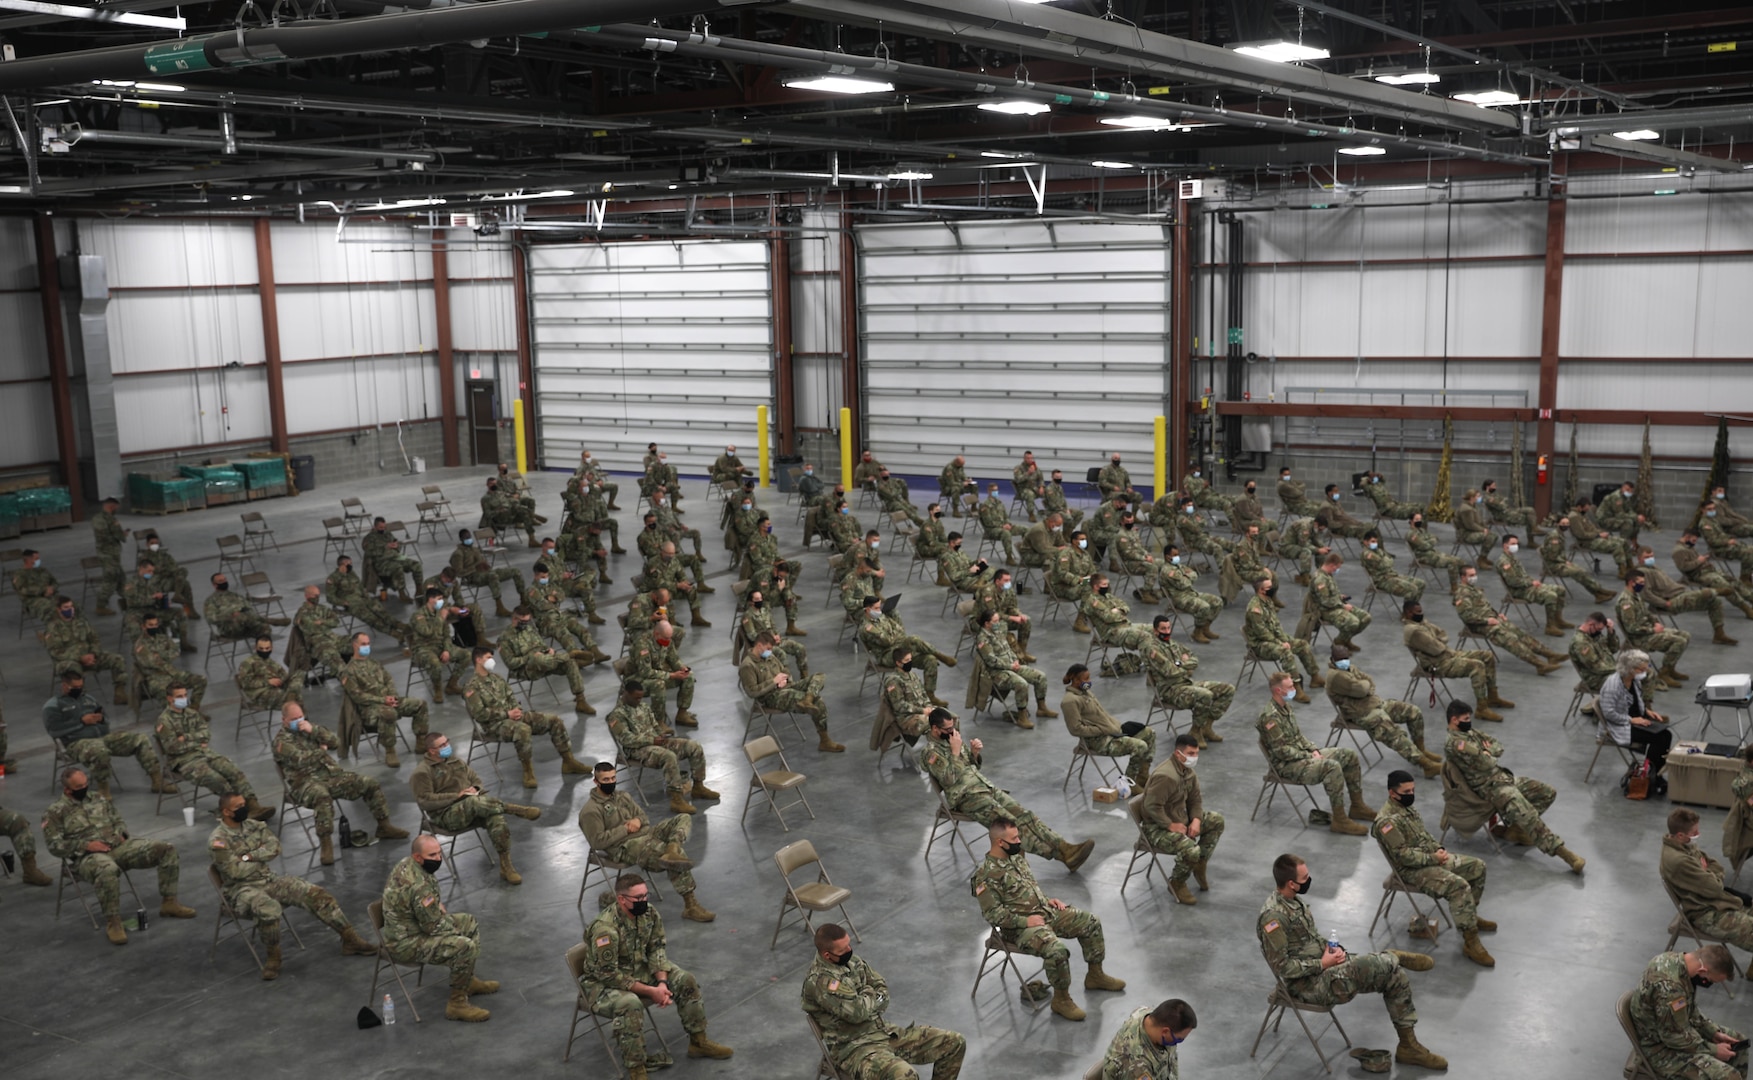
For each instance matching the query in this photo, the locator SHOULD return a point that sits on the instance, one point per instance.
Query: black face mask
(238, 815)
(843, 959)
(1700, 980)
(608, 788)
(639, 908)
(1406, 799)
(757, 603)
(1103, 590)
(431, 865)
(907, 666)
(937, 515)
(1012, 850)
(1418, 616)
(223, 586)
(1418, 524)
(1464, 726)
(78, 794)
(1250, 490)
(1593, 633)
(946, 733)
(1303, 886)
(1271, 592)
(264, 653)
(1126, 524)
(155, 630)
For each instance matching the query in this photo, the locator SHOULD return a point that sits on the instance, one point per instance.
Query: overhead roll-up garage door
(995, 338)
(650, 342)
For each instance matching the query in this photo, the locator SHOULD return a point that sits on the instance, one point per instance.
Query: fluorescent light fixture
(52, 101)
(1281, 52)
(910, 174)
(1640, 135)
(120, 83)
(1409, 78)
(841, 84)
(1017, 108)
(1113, 165)
(1146, 123)
(1362, 151)
(1488, 98)
(524, 196)
(1002, 155)
(160, 88)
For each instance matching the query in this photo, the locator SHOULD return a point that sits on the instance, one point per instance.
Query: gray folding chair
(820, 895)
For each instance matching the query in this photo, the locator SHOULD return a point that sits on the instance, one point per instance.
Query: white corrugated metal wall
(27, 420)
(987, 339)
(650, 342)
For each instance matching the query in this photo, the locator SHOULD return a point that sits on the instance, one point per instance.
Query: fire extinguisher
(1540, 471)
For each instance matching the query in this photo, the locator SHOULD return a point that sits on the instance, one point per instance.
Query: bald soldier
(418, 930)
(314, 779)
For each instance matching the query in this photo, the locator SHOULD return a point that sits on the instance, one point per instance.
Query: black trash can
(304, 471)
(783, 464)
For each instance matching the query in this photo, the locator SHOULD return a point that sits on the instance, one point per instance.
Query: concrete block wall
(339, 458)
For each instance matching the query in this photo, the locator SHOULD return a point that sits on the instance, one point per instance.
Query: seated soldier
(1418, 861)
(263, 683)
(187, 738)
(417, 929)
(955, 766)
(1353, 694)
(1170, 666)
(1174, 820)
(373, 694)
(70, 639)
(494, 709)
(764, 679)
(84, 830)
(1519, 801)
(231, 616)
(644, 741)
(614, 825)
(314, 779)
(454, 799)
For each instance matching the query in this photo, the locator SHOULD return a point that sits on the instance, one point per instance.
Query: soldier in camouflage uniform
(999, 594)
(955, 766)
(1204, 496)
(1034, 924)
(1644, 631)
(454, 799)
(1174, 820)
(504, 513)
(1244, 564)
(1386, 506)
(1053, 500)
(1731, 520)
(626, 966)
(1177, 580)
(1519, 800)
(447, 582)
(1724, 547)
(1429, 645)
(1338, 520)
(1303, 542)
(83, 828)
(1043, 542)
(885, 635)
(316, 624)
(665, 572)
(1379, 565)
(433, 651)
(314, 779)
(36, 586)
(764, 679)
(1104, 526)
(16, 827)
(1138, 561)
(932, 541)
(1590, 536)
(1098, 732)
(1292, 757)
(1113, 480)
(155, 658)
(544, 602)
(494, 709)
(580, 585)
(373, 694)
(892, 495)
(186, 734)
(847, 998)
(1663, 593)
(670, 526)
(1618, 512)
(418, 930)
(954, 487)
(385, 563)
(1026, 481)
(742, 518)
(758, 620)
(1008, 673)
(1556, 563)
(1070, 576)
(615, 827)
(174, 577)
(1526, 589)
(1479, 617)
(1293, 497)
(1267, 640)
(1170, 666)
(473, 568)
(241, 850)
(1194, 536)
(346, 591)
(263, 683)
(109, 534)
(1417, 860)
(1335, 607)
(995, 523)
(642, 739)
(1679, 1041)
(528, 656)
(1245, 510)
(1354, 697)
(231, 616)
(1702, 571)
(652, 660)
(1145, 1046)
(1111, 617)
(1320, 973)
(75, 720)
(71, 640)
(145, 594)
(1697, 880)
(593, 509)
(1502, 513)
(1471, 528)
(963, 576)
(1592, 651)
(727, 466)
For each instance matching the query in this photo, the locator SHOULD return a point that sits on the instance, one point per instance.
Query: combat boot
(1360, 810)
(1484, 712)
(579, 656)
(1062, 1005)
(684, 718)
(1080, 625)
(326, 850)
(1674, 674)
(481, 986)
(1572, 860)
(571, 766)
(1209, 733)
(1043, 711)
(458, 1008)
(160, 786)
(594, 619)
(794, 630)
(693, 912)
(529, 774)
(1431, 766)
(271, 964)
(1473, 949)
(1301, 579)
(827, 745)
(699, 1046)
(1097, 979)
(1412, 1052)
(452, 688)
(1021, 719)
(1548, 667)
(1075, 855)
(943, 582)
(939, 702)
(696, 619)
(1198, 635)
(1198, 869)
(528, 813)
(1485, 926)
(386, 831)
(1183, 895)
(1553, 627)
(256, 810)
(1302, 696)
(1343, 825)
(946, 661)
(169, 908)
(390, 758)
(120, 697)
(679, 803)
(701, 791)
(1317, 681)
(104, 609)
(499, 608)
(354, 945)
(1603, 596)
(113, 929)
(1210, 634)
(508, 871)
(1413, 961)
(1720, 638)
(674, 858)
(33, 876)
(402, 594)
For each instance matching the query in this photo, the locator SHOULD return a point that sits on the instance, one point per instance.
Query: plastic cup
(189, 816)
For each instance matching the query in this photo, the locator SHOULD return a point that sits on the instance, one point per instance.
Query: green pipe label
(171, 57)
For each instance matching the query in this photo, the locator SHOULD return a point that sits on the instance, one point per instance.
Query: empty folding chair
(356, 516)
(256, 533)
(818, 896)
(233, 555)
(774, 781)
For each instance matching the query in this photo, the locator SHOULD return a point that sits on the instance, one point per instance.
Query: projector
(1728, 688)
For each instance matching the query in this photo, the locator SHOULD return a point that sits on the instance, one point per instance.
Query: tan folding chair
(1082, 758)
(948, 821)
(435, 495)
(1141, 848)
(259, 591)
(1682, 923)
(1627, 756)
(1271, 784)
(450, 839)
(595, 862)
(384, 960)
(1279, 1002)
(256, 533)
(337, 539)
(1637, 1067)
(91, 576)
(233, 554)
(1342, 728)
(68, 876)
(1000, 958)
(825, 1067)
(773, 781)
(1392, 889)
(239, 930)
(819, 895)
(581, 1009)
(355, 515)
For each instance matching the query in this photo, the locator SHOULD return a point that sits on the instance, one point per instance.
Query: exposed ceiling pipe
(222, 143)
(317, 38)
(261, 170)
(1663, 155)
(1708, 116)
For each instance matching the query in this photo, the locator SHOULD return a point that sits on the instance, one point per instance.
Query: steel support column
(1180, 407)
(526, 372)
(447, 368)
(851, 384)
(60, 384)
(270, 303)
(1551, 309)
(784, 390)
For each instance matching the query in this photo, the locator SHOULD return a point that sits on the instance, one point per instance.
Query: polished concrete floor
(70, 1002)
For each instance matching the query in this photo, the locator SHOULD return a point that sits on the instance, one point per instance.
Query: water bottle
(1124, 786)
(1333, 939)
(140, 918)
(389, 1009)
(346, 831)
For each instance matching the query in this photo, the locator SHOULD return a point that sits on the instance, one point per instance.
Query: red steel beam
(849, 381)
(783, 343)
(526, 376)
(60, 384)
(1551, 308)
(447, 374)
(268, 297)
(1181, 259)
(1630, 417)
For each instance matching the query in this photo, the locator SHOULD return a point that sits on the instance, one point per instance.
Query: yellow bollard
(523, 458)
(846, 449)
(761, 444)
(1160, 444)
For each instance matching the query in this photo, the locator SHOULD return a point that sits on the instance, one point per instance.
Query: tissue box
(1107, 794)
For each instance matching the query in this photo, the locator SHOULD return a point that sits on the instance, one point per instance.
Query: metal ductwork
(227, 142)
(319, 38)
(85, 287)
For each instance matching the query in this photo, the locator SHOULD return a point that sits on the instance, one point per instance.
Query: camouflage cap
(1374, 1061)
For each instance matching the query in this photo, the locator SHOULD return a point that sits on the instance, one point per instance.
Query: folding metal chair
(1637, 1067)
(580, 1009)
(449, 839)
(384, 960)
(820, 895)
(773, 781)
(337, 540)
(1392, 889)
(289, 810)
(595, 863)
(1279, 1001)
(825, 1067)
(256, 533)
(1271, 784)
(1578, 698)
(239, 930)
(259, 591)
(1141, 848)
(1342, 728)
(432, 520)
(233, 554)
(91, 576)
(1082, 758)
(355, 515)
(67, 875)
(434, 494)
(950, 822)
(999, 958)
